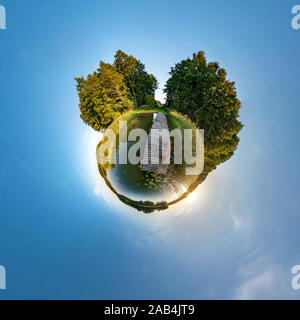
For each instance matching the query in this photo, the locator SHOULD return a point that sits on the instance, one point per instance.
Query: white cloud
(263, 278)
(255, 286)
(237, 222)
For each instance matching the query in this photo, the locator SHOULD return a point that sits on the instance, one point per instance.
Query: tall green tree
(201, 90)
(103, 96)
(139, 82)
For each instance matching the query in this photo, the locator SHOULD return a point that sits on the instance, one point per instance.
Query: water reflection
(147, 191)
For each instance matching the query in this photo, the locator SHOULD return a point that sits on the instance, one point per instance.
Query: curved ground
(149, 191)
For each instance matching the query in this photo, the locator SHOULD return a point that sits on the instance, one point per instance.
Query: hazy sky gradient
(63, 235)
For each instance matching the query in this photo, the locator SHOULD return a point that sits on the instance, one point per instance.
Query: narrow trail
(155, 160)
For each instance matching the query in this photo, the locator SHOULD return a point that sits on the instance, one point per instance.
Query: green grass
(178, 121)
(154, 109)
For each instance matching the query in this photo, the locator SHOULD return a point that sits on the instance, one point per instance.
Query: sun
(192, 196)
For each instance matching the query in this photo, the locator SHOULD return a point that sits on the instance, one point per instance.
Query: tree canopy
(139, 82)
(201, 91)
(196, 88)
(113, 89)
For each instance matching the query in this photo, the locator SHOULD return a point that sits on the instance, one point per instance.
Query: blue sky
(63, 235)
